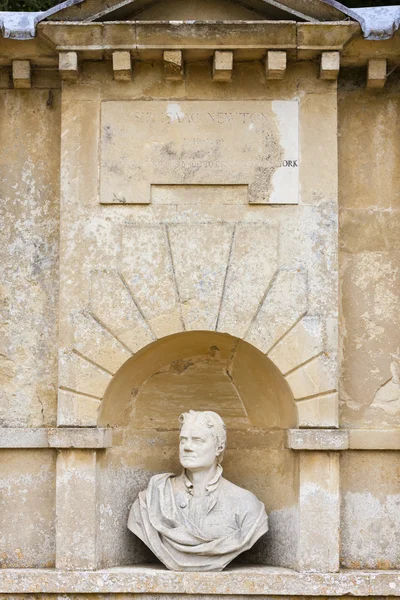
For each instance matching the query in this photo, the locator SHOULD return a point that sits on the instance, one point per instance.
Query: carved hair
(209, 419)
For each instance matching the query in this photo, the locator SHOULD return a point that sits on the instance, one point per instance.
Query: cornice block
(275, 64)
(68, 66)
(377, 73)
(21, 74)
(122, 65)
(330, 65)
(173, 65)
(222, 65)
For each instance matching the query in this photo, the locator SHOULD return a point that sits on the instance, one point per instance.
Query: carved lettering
(195, 118)
(199, 142)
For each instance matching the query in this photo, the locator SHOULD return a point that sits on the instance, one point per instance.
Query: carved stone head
(202, 439)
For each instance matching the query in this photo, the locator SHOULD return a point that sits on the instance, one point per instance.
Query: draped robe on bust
(197, 534)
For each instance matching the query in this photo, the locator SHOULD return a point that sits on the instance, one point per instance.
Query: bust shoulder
(242, 497)
(156, 482)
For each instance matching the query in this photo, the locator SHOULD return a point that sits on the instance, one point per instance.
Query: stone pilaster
(76, 510)
(319, 512)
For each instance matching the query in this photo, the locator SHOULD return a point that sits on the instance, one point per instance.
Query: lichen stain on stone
(29, 222)
(370, 526)
(27, 508)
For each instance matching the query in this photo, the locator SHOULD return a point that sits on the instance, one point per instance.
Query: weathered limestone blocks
(79, 374)
(77, 410)
(173, 65)
(287, 290)
(369, 259)
(323, 439)
(93, 341)
(369, 439)
(235, 288)
(320, 438)
(193, 259)
(377, 73)
(222, 65)
(155, 292)
(76, 488)
(300, 345)
(319, 511)
(27, 506)
(68, 66)
(298, 439)
(23, 437)
(21, 74)
(231, 583)
(29, 225)
(370, 516)
(275, 64)
(317, 376)
(199, 271)
(324, 35)
(250, 271)
(51, 437)
(113, 303)
(319, 185)
(122, 65)
(330, 65)
(319, 411)
(83, 438)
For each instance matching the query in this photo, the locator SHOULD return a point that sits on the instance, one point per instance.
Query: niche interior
(199, 370)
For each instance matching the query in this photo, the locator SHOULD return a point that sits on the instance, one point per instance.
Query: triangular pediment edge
(174, 10)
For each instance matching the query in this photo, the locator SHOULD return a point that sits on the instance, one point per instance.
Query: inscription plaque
(251, 143)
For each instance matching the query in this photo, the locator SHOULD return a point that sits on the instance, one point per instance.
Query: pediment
(199, 10)
(213, 10)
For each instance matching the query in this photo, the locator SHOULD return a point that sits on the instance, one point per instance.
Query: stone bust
(198, 521)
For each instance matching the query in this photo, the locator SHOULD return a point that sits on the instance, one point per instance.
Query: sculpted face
(197, 446)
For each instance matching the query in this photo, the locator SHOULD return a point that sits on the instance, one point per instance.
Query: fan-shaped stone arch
(220, 277)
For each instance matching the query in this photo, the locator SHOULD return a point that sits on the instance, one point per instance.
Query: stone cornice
(318, 439)
(240, 580)
(343, 439)
(297, 439)
(91, 438)
(142, 36)
(248, 40)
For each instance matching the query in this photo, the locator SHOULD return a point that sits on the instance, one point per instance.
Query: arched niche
(198, 370)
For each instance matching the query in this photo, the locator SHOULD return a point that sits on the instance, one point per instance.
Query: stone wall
(29, 176)
(29, 223)
(77, 343)
(27, 508)
(369, 196)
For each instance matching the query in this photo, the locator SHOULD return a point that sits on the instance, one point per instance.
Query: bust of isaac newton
(198, 521)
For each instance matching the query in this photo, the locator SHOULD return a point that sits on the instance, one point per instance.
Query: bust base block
(233, 581)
